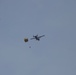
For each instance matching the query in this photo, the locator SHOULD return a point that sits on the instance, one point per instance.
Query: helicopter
(34, 37)
(37, 37)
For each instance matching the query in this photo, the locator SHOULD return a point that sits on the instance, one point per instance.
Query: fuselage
(37, 38)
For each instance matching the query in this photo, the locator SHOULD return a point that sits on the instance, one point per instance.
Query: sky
(54, 54)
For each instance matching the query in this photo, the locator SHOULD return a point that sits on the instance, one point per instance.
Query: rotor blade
(41, 36)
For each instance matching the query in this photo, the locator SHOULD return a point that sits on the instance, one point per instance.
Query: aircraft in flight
(37, 37)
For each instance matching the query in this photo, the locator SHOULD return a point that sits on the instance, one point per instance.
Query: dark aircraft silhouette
(37, 37)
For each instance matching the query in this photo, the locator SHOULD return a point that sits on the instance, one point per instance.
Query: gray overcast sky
(54, 54)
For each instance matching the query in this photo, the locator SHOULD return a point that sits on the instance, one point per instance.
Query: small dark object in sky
(26, 39)
(29, 46)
